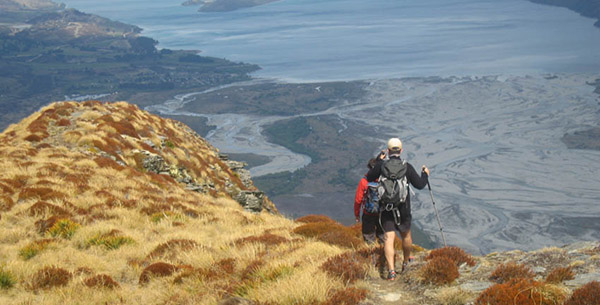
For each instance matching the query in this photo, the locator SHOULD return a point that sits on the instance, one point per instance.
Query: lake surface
(308, 40)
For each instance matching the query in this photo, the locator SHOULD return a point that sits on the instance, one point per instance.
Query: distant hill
(587, 8)
(49, 53)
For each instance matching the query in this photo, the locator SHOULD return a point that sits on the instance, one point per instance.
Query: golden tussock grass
(77, 227)
(453, 296)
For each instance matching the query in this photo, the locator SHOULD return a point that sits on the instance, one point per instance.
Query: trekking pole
(437, 215)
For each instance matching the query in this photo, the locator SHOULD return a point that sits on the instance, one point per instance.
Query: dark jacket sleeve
(375, 172)
(416, 180)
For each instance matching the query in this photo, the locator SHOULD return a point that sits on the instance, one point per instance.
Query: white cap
(394, 144)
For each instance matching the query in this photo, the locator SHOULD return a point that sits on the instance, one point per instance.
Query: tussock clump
(108, 163)
(314, 218)
(167, 215)
(17, 182)
(343, 238)
(34, 248)
(36, 137)
(330, 232)
(101, 281)
(506, 272)
(585, 295)
(560, 275)
(440, 270)
(64, 228)
(110, 241)
(49, 277)
(267, 239)
(523, 292)
(453, 296)
(347, 296)
(6, 203)
(63, 122)
(227, 265)
(159, 269)
(7, 279)
(456, 254)
(171, 248)
(42, 207)
(43, 225)
(350, 266)
(42, 193)
(259, 277)
(252, 268)
(84, 271)
(315, 229)
(5, 188)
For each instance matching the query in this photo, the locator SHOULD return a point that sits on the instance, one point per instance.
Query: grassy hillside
(84, 219)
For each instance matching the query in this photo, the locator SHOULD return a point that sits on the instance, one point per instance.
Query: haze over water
(305, 40)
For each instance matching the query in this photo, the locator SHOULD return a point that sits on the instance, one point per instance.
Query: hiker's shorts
(389, 224)
(371, 230)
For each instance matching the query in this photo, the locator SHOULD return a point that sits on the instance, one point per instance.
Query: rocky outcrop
(253, 199)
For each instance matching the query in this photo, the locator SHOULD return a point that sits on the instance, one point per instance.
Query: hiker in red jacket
(371, 230)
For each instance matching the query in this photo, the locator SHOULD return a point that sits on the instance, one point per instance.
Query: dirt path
(385, 292)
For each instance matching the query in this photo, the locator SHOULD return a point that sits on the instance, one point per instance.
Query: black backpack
(393, 184)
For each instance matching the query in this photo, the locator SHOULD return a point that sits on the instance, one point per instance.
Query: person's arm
(375, 172)
(416, 180)
(358, 198)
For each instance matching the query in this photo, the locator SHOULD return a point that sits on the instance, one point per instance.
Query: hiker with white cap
(394, 177)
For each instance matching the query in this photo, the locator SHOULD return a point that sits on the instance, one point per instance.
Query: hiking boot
(404, 267)
(391, 275)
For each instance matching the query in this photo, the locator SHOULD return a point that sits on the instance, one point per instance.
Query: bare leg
(388, 249)
(406, 245)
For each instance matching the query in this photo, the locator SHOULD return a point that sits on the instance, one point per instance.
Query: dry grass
(206, 249)
(453, 296)
(559, 275)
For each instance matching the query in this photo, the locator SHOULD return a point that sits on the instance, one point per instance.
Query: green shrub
(7, 279)
(109, 241)
(34, 248)
(64, 228)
